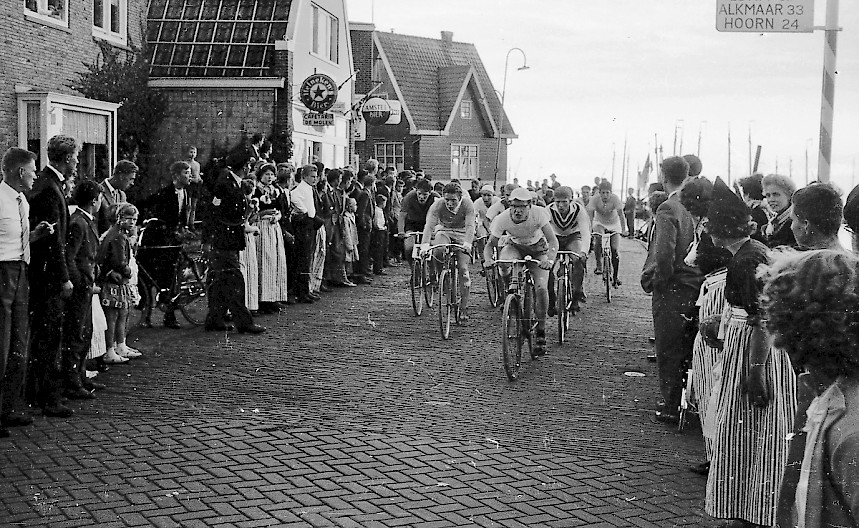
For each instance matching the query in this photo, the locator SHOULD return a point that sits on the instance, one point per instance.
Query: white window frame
(464, 168)
(399, 161)
(42, 14)
(465, 109)
(325, 37)
(104, 32)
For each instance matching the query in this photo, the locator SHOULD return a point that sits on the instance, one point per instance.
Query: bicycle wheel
(416, 286)
(511, 338)
(528, 319)
(454, 297)
(608, 273)
(445, 308)
(492, 286)
(430, 287)
(191, 290)
(561, 302)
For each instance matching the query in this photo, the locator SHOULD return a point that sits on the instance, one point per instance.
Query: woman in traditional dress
(756, 397)
(248, 256)
(271, 253)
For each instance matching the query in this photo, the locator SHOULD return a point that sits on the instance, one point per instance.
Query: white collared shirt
(11, 241)
(302, 199)
(114, 193)
(180, 197)
(58, 173)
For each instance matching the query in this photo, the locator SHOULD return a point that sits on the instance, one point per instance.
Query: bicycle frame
(518, 309)
(564, 284)
(607, 266)
(450, 296)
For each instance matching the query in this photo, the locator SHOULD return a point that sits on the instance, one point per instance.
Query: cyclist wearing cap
(481, 206)
(413, 212)
(572, 226)
(530, 234)
(606, 213)
(454, 216)
(499, 207)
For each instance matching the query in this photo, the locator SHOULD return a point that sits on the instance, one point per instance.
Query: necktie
(25, 229)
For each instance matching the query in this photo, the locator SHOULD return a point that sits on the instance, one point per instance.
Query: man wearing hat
(486, 200)
(675, 286)
(531, 234)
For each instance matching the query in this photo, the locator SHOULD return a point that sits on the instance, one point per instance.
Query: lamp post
(503, 93)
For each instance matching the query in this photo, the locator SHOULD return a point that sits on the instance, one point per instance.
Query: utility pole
(613, 155)
(827, 100)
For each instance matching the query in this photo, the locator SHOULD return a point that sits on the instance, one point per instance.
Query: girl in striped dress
(271, 252)
(756, 397)
(248, 256)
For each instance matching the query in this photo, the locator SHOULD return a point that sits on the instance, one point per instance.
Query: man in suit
(227, 290)
(305, 207)
(19, 172)
(81, 249)
(171, 207)
(675, 286)
(49, 275)
(255, 148)
(113, 191)
(365, 197)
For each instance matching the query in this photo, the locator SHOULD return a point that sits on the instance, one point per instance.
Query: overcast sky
(601, 71)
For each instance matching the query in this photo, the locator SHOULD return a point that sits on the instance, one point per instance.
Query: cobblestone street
(353, 412)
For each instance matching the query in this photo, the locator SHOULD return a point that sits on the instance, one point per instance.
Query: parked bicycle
(449, 294)
(567, 300)
(169, 277)
(607, 267)
(518, 320)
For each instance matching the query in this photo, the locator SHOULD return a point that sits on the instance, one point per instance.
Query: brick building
(231, 68)
(450, 113)
(45, 45)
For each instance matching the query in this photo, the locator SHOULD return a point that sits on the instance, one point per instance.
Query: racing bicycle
(566, 299)
(607, 267)
(449, 294)
(419, 279)
(518, 320)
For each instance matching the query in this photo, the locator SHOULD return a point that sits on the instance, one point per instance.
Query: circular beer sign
(318, 92)
(376, 111)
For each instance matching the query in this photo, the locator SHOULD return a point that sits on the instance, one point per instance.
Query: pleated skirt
(271, 254)
(250, 271)
(706, 358)
(751, 443)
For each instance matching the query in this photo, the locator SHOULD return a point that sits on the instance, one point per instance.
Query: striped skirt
(751, 443)
(250, 271)
(271, 254)
(705, 358)
(317, 263)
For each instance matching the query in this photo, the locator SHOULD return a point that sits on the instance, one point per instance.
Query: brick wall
(211, 119)
(362, 59)
(48, 58)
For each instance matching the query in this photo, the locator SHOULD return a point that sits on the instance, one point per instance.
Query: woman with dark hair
(812, 307)
(696, 195)
(752, 191)
(271, 251)
(755, 400)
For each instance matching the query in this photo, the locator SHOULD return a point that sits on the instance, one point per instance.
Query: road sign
(765, 16)
(314, 119)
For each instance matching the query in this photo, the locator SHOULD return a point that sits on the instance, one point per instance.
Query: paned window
(109, 19)
(464, 161)
(326, 34)
(53, 11)
(465, 110)
(390, 155)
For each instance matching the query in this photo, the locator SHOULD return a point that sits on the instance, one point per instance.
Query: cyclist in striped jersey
(569, 218)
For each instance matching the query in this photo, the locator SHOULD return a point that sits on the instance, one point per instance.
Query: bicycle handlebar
(408, 234)
(445, 246)
(527, 259)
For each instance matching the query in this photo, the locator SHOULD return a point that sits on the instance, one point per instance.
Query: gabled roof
(430, 74)
(214, 38)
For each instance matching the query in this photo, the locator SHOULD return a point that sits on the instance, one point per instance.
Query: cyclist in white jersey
(606, 213)
(572, 226)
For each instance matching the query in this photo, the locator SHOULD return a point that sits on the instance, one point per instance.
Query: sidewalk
(353, 412)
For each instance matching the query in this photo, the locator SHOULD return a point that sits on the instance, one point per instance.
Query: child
(350, 236)
(248, 256)
(114, 254)
(380, 232)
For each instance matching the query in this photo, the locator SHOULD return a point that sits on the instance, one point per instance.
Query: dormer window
(465, 109)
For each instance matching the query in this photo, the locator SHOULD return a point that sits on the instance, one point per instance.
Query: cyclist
(453, 215)
(606, 213)
(530, 234)
(572, 226)
(500, 206)
(413, 213)
(481, 206)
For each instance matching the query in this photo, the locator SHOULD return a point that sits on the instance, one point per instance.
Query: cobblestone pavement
(353, 412)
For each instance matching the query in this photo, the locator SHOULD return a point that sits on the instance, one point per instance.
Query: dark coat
(164, 206)
(113, 257)
(228, 214)
(48, 265)
(366, 206)
(81, 250)
(673, 232)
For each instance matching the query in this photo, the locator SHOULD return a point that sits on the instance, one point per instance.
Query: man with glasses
(530, 234)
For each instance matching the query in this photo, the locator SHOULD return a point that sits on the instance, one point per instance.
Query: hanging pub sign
(376, 111)
(318, 92)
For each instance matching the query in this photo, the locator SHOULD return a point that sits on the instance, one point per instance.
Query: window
(463, 162)
(465, 110)
(326, 35)
(109, 18)
(390, 155)
(52, 11)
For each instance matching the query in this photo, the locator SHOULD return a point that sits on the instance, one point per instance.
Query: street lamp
(503, 93)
